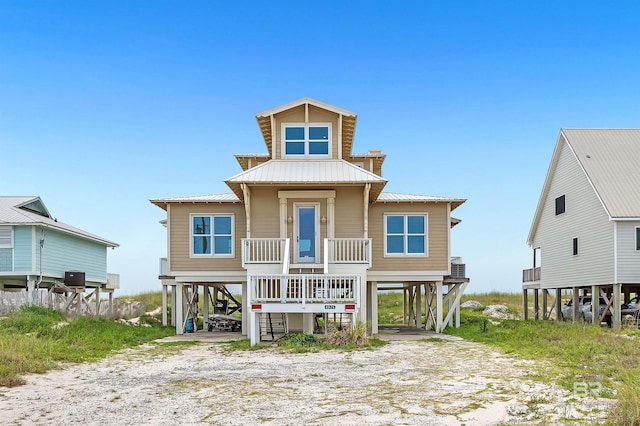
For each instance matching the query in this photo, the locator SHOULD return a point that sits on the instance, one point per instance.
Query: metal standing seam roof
(227, 197)
(611, 160)
(390, 197)
(11, 213)
(306, 172)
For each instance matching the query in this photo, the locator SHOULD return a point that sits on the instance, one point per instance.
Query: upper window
(638, 238)
(212, 235)
(560, 205)
(6, 237)
(575, 246)
(406, 234)
(306, 139)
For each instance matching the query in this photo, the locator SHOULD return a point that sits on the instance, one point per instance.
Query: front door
(306, 233)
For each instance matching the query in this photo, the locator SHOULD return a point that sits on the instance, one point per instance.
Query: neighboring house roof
(348, 121)
(226, 197)
(396, 197)
(32, 211)
(307, 172)
(610, 159)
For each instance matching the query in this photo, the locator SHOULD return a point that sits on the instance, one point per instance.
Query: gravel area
(405, 382)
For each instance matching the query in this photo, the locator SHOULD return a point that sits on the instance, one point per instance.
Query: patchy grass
(576, 354)
(34, 339)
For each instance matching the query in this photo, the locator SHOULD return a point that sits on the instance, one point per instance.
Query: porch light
(323, 219)
(289, 219)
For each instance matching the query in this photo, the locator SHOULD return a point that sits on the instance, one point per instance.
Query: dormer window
(306, 139)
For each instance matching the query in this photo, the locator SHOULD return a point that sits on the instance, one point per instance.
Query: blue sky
(104, 105)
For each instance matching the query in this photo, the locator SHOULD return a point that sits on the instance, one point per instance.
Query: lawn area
(34, 339)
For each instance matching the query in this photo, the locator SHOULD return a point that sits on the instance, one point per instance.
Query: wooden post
(439, 325)
(174, 292)
(164, 304)
(177, 310)
(205, 305)
(595, 304)
(558, 304)
(246, 303)
(617, 301)
(404, 306)
(536, 305)
(575, 308)
(450, 304)
(525, 303)
(418, 288)
(97, 293)
(374, 307)
(544, 304)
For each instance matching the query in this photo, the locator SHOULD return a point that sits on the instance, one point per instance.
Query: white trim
(296, 231)
(212, 235)
(306, 140)
(307, 194)
(231, 277)
(406, 234)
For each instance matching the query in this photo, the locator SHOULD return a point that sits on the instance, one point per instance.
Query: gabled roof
(32, 211)
(307, 172)
(396, 197)
(348, 121)
(610, 159)
(226, 197)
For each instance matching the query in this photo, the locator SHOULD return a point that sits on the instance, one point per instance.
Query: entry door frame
(296, 232)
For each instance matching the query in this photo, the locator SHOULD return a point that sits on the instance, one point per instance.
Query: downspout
(367, 189)
(42, 238)
(247, 206)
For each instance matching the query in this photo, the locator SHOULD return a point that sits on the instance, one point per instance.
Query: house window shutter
(6, 237)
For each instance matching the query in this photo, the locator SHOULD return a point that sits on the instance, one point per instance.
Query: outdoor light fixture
(323, 219)
(289, 219)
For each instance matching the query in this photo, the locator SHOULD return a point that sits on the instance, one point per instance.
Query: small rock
(497, 311)
(471, 304)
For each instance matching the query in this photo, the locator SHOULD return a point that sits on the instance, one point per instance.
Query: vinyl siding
(584, 218)
(22, 249)
(349, 212)
(437, 237)
(296, 115)
(628, 256)
(265, 212)
(180, 235)
(65, 252)
(6, 260)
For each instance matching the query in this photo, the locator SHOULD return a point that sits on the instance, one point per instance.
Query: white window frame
(406, 234)
(8, 235)
(306, 140)
(211, 234)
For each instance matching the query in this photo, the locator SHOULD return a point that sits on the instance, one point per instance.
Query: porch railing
(347, 250)
(304, 288)
(164, 266)
(531, 274)
(113, 281)
(263, 250)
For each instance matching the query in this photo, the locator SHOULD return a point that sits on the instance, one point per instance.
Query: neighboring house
(307, 229)
(36, 251)
(586, 229)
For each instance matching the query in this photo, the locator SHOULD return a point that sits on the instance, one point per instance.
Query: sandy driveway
(405, 382)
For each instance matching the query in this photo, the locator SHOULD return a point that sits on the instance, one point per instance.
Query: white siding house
(584, 229)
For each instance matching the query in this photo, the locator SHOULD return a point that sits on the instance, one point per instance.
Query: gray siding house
(586, 230)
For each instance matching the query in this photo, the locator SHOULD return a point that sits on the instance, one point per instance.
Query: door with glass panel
(306, 233)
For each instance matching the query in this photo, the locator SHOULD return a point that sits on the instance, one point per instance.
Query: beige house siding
(584, 218)
(265, 212)
(296, 115)
(180, 234)
(349, 212)
(437, 237)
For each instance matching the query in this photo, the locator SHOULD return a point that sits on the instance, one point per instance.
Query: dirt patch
(404, 382)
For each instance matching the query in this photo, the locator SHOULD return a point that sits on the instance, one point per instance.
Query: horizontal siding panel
(349, 213)
(628, 256)
(584, 218)
(64, 252)
(180, 234)
(438, 228)
(22, 248)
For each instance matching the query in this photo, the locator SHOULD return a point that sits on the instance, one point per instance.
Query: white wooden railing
(113, 281)
(304, 288)
(347, 250)
(164, 266)
(264, 250)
